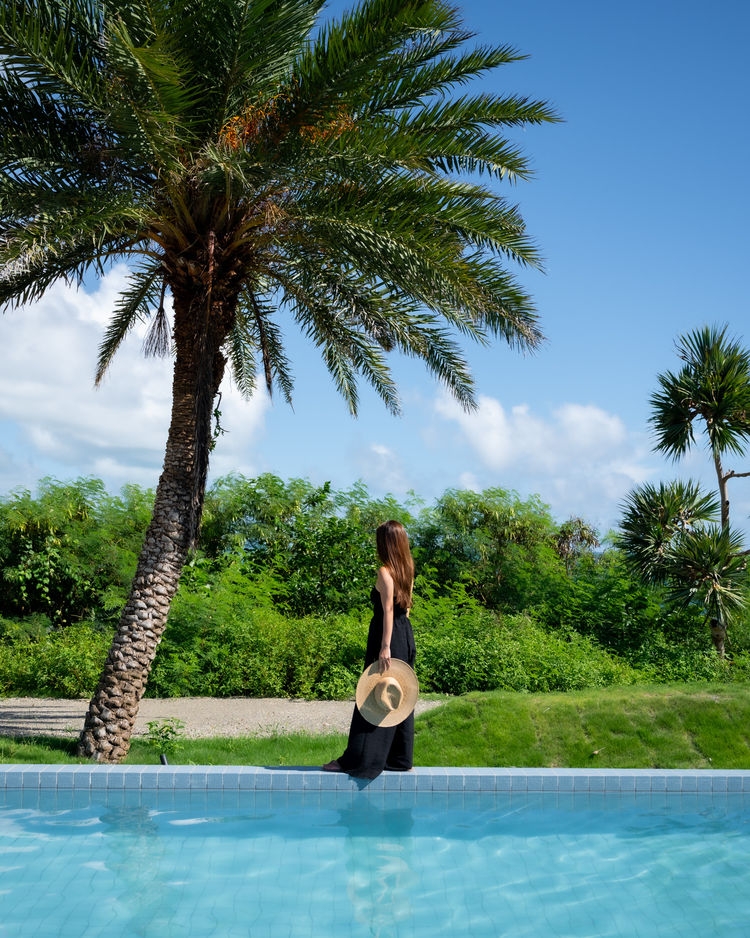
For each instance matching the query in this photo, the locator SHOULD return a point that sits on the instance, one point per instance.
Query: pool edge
(311, 778)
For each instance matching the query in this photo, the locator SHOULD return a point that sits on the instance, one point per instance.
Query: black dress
(374, 748)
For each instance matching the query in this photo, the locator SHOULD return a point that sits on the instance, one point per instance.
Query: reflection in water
(136, 860)
(380, 869)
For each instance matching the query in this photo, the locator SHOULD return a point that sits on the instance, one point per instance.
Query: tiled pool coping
(255, 778)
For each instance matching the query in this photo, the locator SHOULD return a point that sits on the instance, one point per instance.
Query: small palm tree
(712, 388)
(670, 537)
(709, 568)
(261, 172)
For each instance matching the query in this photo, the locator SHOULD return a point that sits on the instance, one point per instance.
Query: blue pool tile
(64, 779)
(230, 781)
(116, 779)
(472, 782)
(408, 781)
(308, 781)
(329, 780)
(180, 778)
(247, 780)
(20, 779)
(99, 777)
(82, 778)
(48, 779)
(149, 779)
(456, 779)
(132, 781)
(373, 784)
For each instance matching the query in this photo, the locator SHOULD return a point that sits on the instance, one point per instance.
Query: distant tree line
(276, 599)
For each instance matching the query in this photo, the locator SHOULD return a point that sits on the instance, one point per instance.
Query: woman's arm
(384, 585)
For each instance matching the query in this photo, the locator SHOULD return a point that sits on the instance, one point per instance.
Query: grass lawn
(668, 726)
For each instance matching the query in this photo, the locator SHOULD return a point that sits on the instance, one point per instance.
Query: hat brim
(366, 704)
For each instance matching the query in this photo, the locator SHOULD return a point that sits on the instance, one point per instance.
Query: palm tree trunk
(112, 712)
(723, 496)
(719, 636)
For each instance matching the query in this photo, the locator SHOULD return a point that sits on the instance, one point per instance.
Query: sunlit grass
(675, 726)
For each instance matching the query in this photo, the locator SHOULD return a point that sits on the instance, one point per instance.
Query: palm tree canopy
(712, 387)
(266, 169)
(710, 568)
(656, 519)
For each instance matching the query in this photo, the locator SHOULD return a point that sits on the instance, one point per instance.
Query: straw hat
(387, 699)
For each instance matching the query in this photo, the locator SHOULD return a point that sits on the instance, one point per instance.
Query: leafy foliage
(673, 534)
(69, 553)
(277, 601)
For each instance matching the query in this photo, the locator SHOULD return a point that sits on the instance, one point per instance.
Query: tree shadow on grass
(39, 749)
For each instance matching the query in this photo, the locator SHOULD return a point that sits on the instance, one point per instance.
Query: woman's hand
(385, 658)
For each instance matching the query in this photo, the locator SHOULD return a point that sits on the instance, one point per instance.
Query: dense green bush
(276, 602)
(64, 663)
(464, 647)
(70, 552)
(226, 638)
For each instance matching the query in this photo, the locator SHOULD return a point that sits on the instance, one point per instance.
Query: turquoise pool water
(122, 860)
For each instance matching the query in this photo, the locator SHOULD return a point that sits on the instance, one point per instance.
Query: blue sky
(640, 207)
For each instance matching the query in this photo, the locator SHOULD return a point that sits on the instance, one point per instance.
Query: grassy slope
(699, 726)
(624, 727)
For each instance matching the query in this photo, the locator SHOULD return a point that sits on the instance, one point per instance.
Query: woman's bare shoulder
(385, 579)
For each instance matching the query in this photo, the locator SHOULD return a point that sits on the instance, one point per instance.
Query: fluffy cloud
(55, 421)
(580, 459)
(382, 469)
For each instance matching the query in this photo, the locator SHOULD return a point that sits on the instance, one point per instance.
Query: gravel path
(202, 716)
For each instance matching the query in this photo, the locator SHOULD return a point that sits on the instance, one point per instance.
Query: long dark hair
(393, 549)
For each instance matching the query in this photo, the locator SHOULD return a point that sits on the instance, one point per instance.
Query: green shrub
(64, 663)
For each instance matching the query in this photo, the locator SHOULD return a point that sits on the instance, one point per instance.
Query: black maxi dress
(374, 748)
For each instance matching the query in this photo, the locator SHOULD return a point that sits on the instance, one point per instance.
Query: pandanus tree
(257, 170)
(711, 391)
(672, 533)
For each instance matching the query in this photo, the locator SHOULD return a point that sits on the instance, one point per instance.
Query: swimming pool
(228, 852)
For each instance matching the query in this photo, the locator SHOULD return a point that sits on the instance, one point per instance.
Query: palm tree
(670, 537)
(261, 171)
(713, 388)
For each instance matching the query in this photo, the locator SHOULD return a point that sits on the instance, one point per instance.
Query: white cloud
(62, 425)
(382, 469)
(580, 459)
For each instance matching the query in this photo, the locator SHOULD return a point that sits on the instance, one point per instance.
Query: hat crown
(387, 699)
(388, 693)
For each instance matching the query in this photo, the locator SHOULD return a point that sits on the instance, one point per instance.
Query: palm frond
(710, 568)
(656, 519)
(135, 304)
(712, 387)
(255, 334)
(54, 47)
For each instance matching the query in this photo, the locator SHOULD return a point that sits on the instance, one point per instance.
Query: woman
(374, 748)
